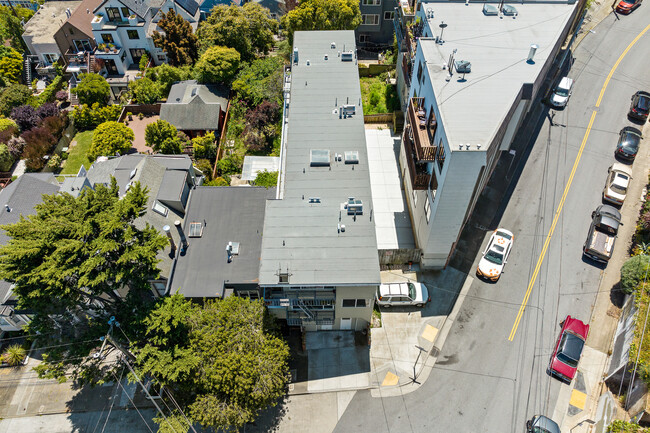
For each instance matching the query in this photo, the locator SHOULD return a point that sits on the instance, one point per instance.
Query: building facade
(463, 106)
(376, 32)
(319, 264)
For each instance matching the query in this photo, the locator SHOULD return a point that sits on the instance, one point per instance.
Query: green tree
(6, 124)
(217, 65)
(145, 91)
(205, 146)
(110, 138)
(166, 75)
(93, 88)
(248, 29)
(178, 40)
(11, 65)
(14, 96)
(260, 80)
(6, 160)
(144, 61)
(223, 361)
(633, 272)
(162, 137)
(67, 262)
(322, 15)
(11, 27)
(86, 117)
(266, 178)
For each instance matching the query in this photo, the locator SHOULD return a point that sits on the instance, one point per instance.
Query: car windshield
(644, 103)
(570, 349)
(494, 256)
(618, 189)
(561, 92)
(411, 290)
(504, 235)
(630, 141)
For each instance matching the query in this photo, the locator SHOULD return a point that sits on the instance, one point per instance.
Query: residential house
(39, 34)
(319, 260)
(169, 179)
(18, 199)
(376, 32)
(123, 30)
(465, 102)
(195, 108)
(76, 41)
(223, 229)
(275, 7)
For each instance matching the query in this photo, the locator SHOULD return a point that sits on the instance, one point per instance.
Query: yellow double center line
(556, 217)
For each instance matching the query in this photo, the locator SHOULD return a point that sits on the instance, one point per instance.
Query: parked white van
(562, 92)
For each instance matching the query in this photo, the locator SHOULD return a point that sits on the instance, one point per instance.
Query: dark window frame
(113, 14)
(125, 12)
(130, 34)
(108, 38)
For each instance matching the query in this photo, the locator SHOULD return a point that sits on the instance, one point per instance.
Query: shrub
(166, 75)
(14, 355)
(110, 138)
(38, 142)
(633, 272)
(48, 109)
(86, 117)
(55, 124)
(205, 147)
(54, 162)
(51, 91)
(26, 117)
(61, 95)
(8, 128)
(14, 96)
(144, 61)
(231, 164)
(6, 160)
(261, 126)
(205, 166)
(16, 146)
(11, 64)
(145, 91)
(260, 80)
(93, 88)
(219, 181)
(266, 178)
(162, 137)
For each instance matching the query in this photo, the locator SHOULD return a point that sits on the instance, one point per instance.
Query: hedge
(49, 93)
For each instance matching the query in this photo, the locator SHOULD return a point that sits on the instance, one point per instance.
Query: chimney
(184, 243)
(168, 232)
(7, 208)
(531, 53)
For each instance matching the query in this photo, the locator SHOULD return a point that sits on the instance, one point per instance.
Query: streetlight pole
(414, 378)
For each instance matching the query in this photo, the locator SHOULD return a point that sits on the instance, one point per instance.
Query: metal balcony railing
(423, 130)
(420, 178)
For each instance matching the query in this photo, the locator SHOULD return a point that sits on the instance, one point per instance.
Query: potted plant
(130, 115)
(111, 47)
(140, 116)
(101, 47)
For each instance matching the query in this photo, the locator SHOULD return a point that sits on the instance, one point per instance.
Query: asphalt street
(482, 382)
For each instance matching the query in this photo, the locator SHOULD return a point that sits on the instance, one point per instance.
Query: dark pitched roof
(140, 7)
(231, 214)
(193, 106)
(82, 17)
(189, 5)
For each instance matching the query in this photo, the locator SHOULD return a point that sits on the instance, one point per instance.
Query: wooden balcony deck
(421, 135)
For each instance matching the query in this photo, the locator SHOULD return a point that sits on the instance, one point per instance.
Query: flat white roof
(497, 47)
(255, 164)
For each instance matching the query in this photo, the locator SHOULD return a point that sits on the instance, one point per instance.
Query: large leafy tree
(248, 29)
(217, 65)
(110, 138)
(322, 15)
(14, 96)
(179, 41)
(11, 27)
(93, 89)
(165, 76)
(11, 65)
(163, 137)
(145, 91)
(260, 80)
(67, 263)
(222, 361)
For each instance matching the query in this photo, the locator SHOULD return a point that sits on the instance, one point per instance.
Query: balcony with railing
(77, 61)
(420, 177)
(422, 129)
(406, 70)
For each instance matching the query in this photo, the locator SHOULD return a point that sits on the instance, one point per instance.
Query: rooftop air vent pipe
(168, 232)
(184, 243)
(531, 53)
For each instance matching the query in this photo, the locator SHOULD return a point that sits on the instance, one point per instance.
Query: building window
(161, 58)
(415, 198)
(441, 155)
(370, 19)
(432, 124)
(125, 12)
(363, 39)
(133, 34)
(427, 209)
(82, 45)
(420, 72)
(159, 208)
(371, 2)
(389, 15)
(71, 30)
(50, 58)
(358, 303)
(159, 286)
(113, 14)
(107, 38)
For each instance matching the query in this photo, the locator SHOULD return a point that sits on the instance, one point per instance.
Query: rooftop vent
(133, 172)
(348, 109)
(295, 56)
(347, 56)
(490, 10)
(352, 157)
(319, 158)
(233, 248)
(194, 91)
(463, 66)
(355, 207)
(509, 10)
(531, 53)
(314, 199)
(333, 45)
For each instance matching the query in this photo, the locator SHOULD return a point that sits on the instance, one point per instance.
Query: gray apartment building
(376, 31)
(319, 264)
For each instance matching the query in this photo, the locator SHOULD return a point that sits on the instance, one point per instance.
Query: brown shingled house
(75, 39)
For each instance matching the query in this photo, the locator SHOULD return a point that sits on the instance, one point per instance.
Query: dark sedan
(628, 143)
(640, 106)
(627, 6)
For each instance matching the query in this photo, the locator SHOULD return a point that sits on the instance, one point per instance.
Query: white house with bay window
(123, 30)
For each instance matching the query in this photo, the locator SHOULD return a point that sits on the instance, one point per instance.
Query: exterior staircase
(27, 70)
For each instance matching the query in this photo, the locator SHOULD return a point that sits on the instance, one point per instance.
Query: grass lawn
(378, 96)
(77, 155)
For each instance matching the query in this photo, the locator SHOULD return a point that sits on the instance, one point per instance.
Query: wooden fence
(374, 69)
(378, 118)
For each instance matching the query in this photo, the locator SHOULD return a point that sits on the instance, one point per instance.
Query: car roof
(394, 289)
(609, 211)
(621, 179)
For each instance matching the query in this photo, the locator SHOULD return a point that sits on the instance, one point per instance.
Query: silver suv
(402, 294)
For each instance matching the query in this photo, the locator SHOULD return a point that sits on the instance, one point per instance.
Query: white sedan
(618, 181)
(495, 255)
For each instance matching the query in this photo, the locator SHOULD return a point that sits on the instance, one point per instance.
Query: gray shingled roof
(193, 106)
(232, 214)
(300, 236)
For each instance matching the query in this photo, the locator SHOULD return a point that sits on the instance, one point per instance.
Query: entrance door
(346, 324)
(110, 66)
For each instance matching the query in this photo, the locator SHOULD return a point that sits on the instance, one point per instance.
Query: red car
(627, 6)
(565, 358)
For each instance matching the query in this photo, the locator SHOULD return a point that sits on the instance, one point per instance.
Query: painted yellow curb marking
(430, 333)
(578, 399)
(556, 217)
(390, 379)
